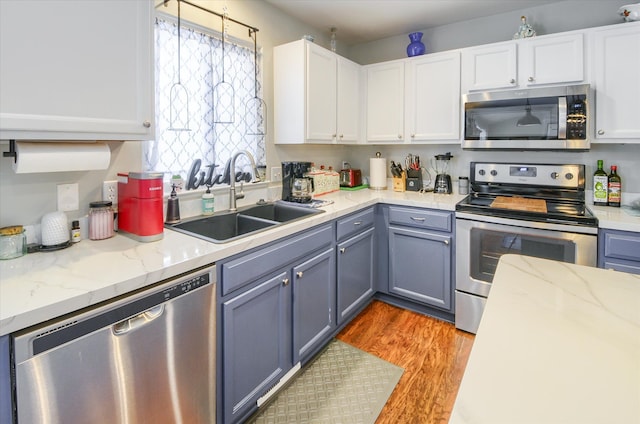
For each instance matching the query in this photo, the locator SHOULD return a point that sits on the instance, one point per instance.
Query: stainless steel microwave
(548, 118)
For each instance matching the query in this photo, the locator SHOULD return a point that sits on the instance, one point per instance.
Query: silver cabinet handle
(299, 274)
(512, 81)
(446, 242)
(342, 250)
(357, 223)
(417, 219)
(413, 136)
(333, 135)
(531, 79)
(285, 282)
(600, 132)
(146, 124)
(341, 136)
(399, 136)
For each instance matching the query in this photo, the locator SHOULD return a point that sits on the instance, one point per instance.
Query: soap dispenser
(173, 207)
(208, 202)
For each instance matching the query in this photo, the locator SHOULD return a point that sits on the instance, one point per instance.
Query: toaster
(350, 178)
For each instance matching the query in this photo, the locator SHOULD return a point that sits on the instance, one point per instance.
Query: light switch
(68, 198)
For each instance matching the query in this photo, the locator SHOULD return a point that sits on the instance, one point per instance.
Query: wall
(24, 199)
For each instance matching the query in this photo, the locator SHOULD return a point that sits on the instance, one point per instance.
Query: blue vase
(416, 47)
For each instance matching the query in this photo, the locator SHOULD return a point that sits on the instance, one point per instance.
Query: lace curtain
(173, 152)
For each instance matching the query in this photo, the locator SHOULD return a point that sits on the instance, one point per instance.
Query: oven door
(479, 246)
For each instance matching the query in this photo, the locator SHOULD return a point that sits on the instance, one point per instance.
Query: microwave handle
(562, 118)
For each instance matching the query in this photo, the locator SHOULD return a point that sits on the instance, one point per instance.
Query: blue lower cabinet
(619, 250)
(355, 279)
(6, 410)
(256, 344)
(420, 266)
(314, 297)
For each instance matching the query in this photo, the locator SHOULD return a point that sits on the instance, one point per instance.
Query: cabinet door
(355, 273)
(314, 297)
(420, 266)
(617, 61)
(348, 108)
(490, 67)
(5, 380)
(85, 74)
(321, 86)
(385, 102)
(433, 97)
(549, 60)
(256, 344)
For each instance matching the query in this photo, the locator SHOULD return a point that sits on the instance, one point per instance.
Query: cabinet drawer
(245, 269)
(422, 218)
(355, 223)
(622, 246)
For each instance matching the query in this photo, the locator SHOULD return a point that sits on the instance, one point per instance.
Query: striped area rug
(342, 385)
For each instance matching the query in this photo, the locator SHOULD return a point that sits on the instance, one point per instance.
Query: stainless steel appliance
(550, 118)
(442, 182)
(296, 185)
(528, 209)
(146, 357)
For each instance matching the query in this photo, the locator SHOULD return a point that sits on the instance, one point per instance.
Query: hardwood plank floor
(432, 352)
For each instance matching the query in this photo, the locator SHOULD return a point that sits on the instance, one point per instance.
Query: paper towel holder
(12, 151)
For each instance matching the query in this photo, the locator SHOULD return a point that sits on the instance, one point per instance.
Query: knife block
(399, 182)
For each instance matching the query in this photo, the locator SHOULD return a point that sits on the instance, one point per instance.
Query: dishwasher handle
(142, 319)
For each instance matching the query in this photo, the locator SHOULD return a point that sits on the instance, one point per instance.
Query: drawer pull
(285, 282)
(357, 223)
(446, 242)
(299, 274)
(342, 250)
(417, 219)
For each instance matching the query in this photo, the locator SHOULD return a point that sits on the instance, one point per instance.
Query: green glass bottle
(600, 186)
(615, 187)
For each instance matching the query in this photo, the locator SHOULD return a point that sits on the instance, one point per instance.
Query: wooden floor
(432, 352)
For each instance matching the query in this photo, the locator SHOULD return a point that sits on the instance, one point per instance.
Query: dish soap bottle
(615, 187)
(600, 186)
(208, 202)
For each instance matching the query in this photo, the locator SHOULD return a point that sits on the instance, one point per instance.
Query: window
(200, 74)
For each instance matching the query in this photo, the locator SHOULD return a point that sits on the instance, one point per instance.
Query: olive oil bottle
(600, 186)
(615, 187)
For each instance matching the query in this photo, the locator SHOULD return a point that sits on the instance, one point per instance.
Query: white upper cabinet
(433, 97)
(385, 102)
(523, 63)
(616, 68)
(76, 70)
(316, 95)
(490, 67)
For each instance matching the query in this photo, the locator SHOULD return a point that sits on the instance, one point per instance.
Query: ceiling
(361, 21)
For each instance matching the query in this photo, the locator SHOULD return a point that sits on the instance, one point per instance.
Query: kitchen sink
(225, 227)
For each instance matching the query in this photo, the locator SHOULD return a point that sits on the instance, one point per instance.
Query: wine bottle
(600, 186)
(615, 187)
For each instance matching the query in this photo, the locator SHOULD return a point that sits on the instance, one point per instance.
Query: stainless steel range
(528, 209)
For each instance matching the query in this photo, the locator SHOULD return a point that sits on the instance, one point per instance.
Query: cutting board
(520, 203)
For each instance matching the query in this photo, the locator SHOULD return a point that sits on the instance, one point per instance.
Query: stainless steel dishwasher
(148, 357)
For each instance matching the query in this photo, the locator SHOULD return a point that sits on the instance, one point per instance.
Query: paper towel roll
(378, 171)
(57, 157)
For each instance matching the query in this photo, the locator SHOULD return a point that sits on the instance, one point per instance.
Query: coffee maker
(296, 185)
(443, 179)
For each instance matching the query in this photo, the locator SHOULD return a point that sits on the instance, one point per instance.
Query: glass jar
(100, 220)
(13, 245)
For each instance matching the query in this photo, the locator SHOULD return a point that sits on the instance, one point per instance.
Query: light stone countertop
(557, 343)
(41, 286)
(615, 218)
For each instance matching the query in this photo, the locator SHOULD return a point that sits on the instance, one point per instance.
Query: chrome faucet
(232, 178)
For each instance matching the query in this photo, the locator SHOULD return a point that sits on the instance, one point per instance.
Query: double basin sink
(225, 227)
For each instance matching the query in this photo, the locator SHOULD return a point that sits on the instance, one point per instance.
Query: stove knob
(568, 176)
(555, 175)
(494, 172)
(481, 172)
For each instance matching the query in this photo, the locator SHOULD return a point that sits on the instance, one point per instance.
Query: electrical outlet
(276, 173)
(110, 191)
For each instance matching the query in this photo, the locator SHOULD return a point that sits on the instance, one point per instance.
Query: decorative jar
(416, 47)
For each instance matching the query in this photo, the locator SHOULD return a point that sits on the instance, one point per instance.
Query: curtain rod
(220, 15)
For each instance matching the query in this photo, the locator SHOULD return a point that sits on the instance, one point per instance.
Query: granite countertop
(41, 286)
(557, 343)
(616, 218)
